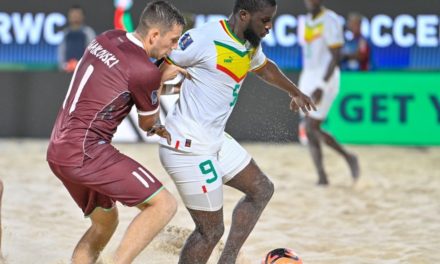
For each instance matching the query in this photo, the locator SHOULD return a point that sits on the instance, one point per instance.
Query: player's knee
(213, 234)
(310, 129)
(267, 189)
(106, 224)
(113, 224)
(171, 206)
(218, 232)
(263, 191)
(313, 133)
(168, 203)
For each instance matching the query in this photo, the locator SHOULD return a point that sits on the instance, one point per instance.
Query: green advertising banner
(401, 108)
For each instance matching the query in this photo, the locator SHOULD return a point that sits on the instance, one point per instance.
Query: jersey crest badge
(185, 41)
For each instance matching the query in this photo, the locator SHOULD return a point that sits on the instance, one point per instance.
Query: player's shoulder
(331, 15)
(112, 33)
(198, 37)
(88, 30)
(131, 51)
(205, 31)
(211, 25)
(129, 46)
(111, 38)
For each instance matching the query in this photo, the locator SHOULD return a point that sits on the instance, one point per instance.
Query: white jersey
(218, 61)
(320, 34)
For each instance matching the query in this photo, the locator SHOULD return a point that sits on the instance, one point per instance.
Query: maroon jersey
(113, 74)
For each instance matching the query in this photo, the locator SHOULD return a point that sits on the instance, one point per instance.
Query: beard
(252, 37)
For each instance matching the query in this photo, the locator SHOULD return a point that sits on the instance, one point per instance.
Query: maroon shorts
(106, 178)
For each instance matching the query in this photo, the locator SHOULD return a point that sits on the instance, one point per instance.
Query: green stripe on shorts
(151, 196)
(105, 210)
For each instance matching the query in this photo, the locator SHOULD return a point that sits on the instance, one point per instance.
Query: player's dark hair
(252, 6)
(161, 14)
(77, 7)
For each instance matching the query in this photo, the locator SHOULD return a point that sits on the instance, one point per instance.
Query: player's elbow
(147, 122)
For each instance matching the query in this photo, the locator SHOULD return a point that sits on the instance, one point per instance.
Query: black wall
(29, 103)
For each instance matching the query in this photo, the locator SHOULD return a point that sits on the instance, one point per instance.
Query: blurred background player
(77, 36)
(323, 39)
(356, 50)
(114, 74)
(202, 157)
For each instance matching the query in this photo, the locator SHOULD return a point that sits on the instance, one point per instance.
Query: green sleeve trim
(169, 60)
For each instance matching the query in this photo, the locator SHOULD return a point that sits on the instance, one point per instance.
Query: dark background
(100, 12)
(29, 101)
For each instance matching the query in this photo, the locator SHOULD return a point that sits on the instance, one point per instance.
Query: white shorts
(200, 178)
(309, 81)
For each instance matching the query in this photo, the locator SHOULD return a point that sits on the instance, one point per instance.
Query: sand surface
(392, 215)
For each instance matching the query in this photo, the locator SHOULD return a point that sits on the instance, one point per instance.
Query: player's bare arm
(171, 71)
(271, 74)
(149, 124)
(336, 57)
(172, 76)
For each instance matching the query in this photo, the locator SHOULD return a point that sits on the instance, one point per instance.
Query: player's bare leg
(332, 143)
(258, 190)
(313, 135)
(155, 214)
(349, 157)
(97, 236)
(353, 163)
(208, 232)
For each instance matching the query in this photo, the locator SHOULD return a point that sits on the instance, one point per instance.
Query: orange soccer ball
(282, 256)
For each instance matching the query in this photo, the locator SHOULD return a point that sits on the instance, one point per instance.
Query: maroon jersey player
(114, 74)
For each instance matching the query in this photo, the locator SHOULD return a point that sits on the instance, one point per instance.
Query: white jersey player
(321, 34)
(218, 62)
(323, 39)
(202, 158)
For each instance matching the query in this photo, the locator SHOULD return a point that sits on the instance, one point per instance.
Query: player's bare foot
(354, 166)
(322, 181)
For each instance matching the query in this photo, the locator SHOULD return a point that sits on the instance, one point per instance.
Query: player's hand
(317, 95)
(161, 131)
(169, 72)
(303, 102)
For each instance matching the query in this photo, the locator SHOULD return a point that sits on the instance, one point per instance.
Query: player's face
(354, 25)
(312, 5)
(259, 25)
(75, 17)
(166, 42)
